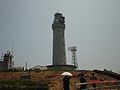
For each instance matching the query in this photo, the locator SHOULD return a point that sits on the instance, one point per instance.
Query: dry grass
(54, 77)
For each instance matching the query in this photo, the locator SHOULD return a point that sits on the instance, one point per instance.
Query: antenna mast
(73, 49)
(12, 46)
(2, 56)
(26, 66)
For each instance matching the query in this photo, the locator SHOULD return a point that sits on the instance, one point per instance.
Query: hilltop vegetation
(109, 73)
(35, 80)
(23, 85)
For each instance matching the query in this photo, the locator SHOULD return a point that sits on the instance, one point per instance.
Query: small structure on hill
(6, 61)
(38, 67)
(18, 68)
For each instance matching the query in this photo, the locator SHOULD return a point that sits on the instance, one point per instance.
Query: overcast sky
(93, 26)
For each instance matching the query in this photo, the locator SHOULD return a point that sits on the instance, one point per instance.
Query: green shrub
(23, 85)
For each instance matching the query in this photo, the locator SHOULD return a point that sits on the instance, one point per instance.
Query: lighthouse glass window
(56, 20)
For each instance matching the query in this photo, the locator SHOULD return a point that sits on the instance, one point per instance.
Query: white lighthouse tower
(58, 26)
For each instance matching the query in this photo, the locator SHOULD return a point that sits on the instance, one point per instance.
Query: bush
(23, 85)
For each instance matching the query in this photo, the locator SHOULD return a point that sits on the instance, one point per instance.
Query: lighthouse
(59, 52)
(58, 27)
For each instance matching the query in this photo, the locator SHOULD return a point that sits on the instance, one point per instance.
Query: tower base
(61, 67)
